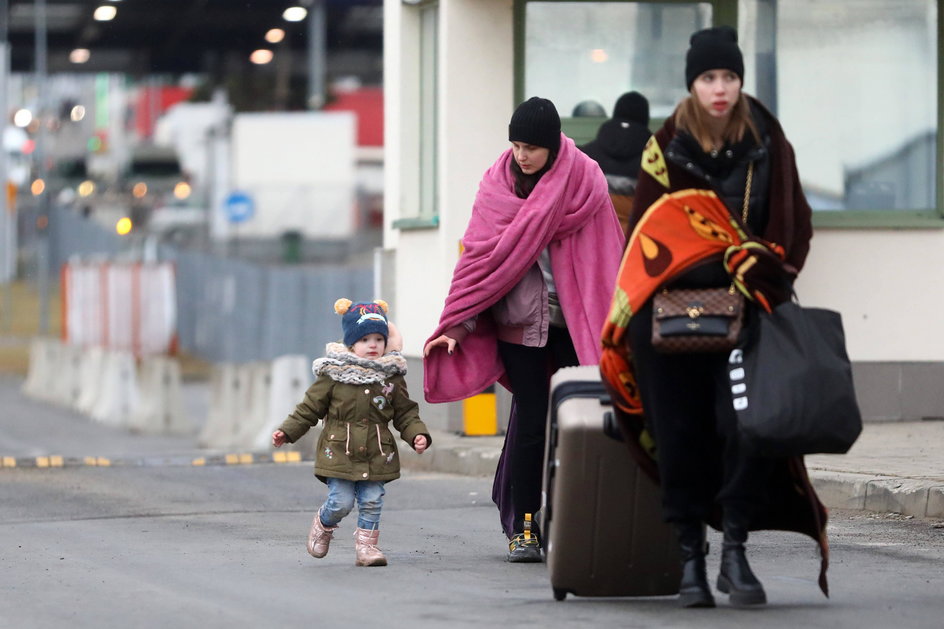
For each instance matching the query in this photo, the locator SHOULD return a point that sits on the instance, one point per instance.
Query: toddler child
(359, 389)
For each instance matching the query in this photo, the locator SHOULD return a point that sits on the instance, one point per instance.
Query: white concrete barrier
(43, 359)
(66, 382)
(91, 372)
(291, 377)
(255, 413)
(229, 401)
(160, 407)
(118, 395)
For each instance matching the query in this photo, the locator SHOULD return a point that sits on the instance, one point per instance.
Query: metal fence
(232, 310)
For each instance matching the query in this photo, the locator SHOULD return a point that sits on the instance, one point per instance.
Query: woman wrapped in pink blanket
(530, 294)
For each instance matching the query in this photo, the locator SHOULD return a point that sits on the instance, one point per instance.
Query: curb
(880, 494)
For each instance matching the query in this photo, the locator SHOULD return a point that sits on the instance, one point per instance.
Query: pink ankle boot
(365, 548)
(319, 538)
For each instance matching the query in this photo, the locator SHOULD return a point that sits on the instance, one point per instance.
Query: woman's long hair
(525, 183)
(692, 117)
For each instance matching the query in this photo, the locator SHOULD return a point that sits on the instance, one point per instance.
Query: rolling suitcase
(601, 515)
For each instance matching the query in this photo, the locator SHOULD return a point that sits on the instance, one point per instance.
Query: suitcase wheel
(559, 594)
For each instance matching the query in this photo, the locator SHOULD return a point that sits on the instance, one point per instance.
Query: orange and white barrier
(120, 306)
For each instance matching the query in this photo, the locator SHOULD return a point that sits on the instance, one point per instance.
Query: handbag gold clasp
(694, 311)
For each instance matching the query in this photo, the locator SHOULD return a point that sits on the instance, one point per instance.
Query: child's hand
(420, 443)
(278, 438)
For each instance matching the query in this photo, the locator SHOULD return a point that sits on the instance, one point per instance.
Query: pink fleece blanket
(569, 211)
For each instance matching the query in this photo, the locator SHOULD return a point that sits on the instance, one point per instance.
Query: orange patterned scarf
(677, 232)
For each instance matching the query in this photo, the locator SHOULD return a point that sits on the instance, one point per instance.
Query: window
(855, 85)
(429, 33)
(420, 86)
(609, 48)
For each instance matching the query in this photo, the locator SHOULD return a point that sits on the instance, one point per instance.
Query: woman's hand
(439, 341)
(420, 443)
(278, 438)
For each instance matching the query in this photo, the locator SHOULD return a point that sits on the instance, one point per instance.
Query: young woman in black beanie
(723, 140)
(529, 295)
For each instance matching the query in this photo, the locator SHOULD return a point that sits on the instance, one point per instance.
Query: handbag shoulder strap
(747, 192)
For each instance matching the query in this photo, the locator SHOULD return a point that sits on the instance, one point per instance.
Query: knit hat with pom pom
(362, 318)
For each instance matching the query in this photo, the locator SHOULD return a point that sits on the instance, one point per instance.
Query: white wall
(476, 96)
(887, 284)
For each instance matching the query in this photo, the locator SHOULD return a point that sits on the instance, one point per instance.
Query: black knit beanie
(536, 122)
(713, 48)
(632, 106)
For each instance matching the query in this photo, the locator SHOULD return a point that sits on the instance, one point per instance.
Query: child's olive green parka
(356, 443)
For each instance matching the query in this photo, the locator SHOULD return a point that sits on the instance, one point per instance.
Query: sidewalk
(894, 467)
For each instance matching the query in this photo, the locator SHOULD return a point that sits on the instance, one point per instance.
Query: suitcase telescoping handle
(581, 388)
(610, 428)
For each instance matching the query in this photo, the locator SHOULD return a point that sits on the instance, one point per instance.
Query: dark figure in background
(618, 148)
(588, 109)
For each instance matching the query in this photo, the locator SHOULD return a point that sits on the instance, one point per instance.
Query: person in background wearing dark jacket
(721, 140)
(529, 295)
(588, 109)
(618, 150)
(356, 452)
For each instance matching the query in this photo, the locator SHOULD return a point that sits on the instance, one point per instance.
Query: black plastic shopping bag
(791, 384)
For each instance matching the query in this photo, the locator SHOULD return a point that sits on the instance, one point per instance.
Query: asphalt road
(151, 544)
(223, 546)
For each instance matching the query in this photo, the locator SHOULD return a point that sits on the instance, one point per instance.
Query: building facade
(856, 85)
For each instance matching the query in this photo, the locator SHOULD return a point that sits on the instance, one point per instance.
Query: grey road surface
(223, 546)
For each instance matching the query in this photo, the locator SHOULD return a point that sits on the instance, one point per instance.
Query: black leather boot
(693, 589)
(736, 577)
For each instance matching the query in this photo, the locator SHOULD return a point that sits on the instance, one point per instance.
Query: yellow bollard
(479, 414)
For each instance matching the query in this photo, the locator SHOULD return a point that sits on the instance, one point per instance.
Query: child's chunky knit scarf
(342, 365)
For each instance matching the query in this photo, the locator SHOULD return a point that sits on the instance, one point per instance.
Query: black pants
(687, 403)
(529, 370)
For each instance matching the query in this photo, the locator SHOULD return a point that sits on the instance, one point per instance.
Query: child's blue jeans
(340, 501)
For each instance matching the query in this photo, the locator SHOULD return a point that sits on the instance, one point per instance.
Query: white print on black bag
(736, 374)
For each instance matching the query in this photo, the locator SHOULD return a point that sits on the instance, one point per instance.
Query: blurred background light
(105, 13)
(79, 55)
(124, 226)
(274, 35)
(22, 118)
(261, 56)
(295, 14)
